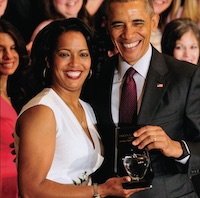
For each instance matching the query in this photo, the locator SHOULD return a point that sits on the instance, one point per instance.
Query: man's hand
(154, 137)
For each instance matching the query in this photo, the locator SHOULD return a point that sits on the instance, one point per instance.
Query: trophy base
(136, 184)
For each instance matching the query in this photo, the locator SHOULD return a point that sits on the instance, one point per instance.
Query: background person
(162, 8)
(62, 9)
(181, 39)
(13, 59)
(186, 9)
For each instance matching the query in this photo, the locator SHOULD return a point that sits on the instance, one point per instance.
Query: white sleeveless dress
(75, 158)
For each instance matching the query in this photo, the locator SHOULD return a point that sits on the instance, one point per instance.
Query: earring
(45, 69)
(44, 72)
(90, 74)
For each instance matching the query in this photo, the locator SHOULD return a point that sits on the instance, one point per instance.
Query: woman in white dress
(57, 144)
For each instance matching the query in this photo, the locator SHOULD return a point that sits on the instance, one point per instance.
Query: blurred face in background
(68, 8)
(3, 5)
(161, 5)
(9, 57)
(187, 48)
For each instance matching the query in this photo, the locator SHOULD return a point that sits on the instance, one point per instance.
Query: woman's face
(187, 48)
(71, 62)
(161, 5)
(9, 57)
(68, 8)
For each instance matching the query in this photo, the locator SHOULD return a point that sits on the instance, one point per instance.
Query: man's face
(130, 25)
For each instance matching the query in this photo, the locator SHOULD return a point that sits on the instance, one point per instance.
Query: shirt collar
(141, 66)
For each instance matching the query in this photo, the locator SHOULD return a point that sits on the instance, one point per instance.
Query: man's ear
(154, 22)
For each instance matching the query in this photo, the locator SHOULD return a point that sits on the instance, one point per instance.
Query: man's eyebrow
(138, 20)
(134, 21)
(115, 22)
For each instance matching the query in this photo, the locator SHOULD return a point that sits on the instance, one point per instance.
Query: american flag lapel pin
(160, 85)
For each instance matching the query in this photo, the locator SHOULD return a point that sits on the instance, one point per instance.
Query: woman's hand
(113, 187)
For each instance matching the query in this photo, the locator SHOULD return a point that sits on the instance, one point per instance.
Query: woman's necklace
(79, 114)
(82, 123)
(77, 110)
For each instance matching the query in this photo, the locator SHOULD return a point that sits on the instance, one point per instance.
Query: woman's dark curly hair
(16, 82)
(46, 42)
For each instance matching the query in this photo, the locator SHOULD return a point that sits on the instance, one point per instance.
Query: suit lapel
(156, 85)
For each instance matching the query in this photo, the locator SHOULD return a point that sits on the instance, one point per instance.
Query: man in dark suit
(168, 101)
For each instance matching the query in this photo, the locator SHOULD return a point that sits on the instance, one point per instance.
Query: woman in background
(62, 9)
(181, 39)
(162, 8)
(185, 9)
(13, 59)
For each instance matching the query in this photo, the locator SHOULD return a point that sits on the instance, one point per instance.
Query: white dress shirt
(141, 67)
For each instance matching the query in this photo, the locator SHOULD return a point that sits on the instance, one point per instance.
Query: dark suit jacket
(175, 107)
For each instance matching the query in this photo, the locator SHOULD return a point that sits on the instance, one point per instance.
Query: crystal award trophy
(129, 160)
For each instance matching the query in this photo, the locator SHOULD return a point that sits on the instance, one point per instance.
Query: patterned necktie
(128, 103)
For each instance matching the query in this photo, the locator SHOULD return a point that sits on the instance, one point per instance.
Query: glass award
(129, 160)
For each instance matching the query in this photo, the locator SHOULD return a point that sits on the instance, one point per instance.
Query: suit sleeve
(193, 123)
